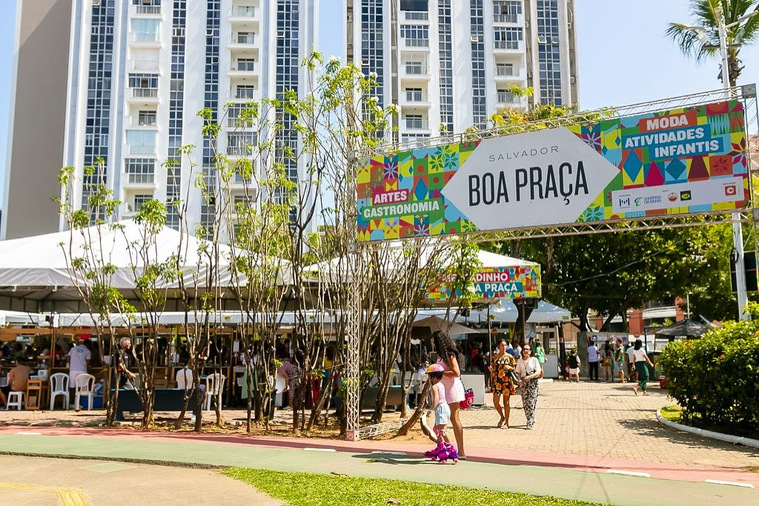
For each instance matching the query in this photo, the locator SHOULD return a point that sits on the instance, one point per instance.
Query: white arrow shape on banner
(547, 177)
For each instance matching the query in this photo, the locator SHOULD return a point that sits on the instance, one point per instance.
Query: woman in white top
(529, 371)
(641, 361)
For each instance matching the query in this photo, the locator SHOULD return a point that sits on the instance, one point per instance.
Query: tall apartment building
(449, 64)
(123, 81)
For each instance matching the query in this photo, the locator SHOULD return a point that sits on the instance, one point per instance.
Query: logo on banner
(685, 195)
(731, 190)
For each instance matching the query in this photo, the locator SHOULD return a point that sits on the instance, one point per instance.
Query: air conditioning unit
(474, 38)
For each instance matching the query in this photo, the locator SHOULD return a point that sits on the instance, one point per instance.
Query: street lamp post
(740, 268)
(737, 256)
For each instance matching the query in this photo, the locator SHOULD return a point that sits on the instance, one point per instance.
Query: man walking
(593, 362)
(124, 359)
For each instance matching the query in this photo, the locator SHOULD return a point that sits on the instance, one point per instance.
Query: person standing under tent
(574, 365)
(78, 358)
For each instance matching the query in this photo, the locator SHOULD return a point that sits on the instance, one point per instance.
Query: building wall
(128, 97)
(38, 113)
(456, 60)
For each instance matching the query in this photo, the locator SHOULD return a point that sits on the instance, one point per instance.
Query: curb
(727, 438)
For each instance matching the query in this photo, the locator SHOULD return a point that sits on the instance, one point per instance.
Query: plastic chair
(214, 388)
(59, 385)
(85, 387)
(15, 400)
(280, 387)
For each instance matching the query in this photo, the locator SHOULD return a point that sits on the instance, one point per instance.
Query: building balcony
(145, 10)
(508, 74)
(415, 124)
(139, 181)
(414, 102)
(146, 96)
(144, 65)
(508, 47)
(506, 99)
(141, 150)
(243, 95)
(144, 39)
(244, 43)
(506, 18)
(416, 17)
(415, 71)
(415, 44)
(243, 15)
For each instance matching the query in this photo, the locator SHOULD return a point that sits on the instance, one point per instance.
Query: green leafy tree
(702, 44)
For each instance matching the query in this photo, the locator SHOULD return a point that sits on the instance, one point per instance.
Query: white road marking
(733, 483)
(628, 473)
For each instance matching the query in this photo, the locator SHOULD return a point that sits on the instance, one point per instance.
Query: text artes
(533, 183)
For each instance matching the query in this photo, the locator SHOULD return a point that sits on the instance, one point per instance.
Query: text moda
(539, 182)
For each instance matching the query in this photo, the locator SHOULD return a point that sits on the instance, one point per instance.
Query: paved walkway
(358, 460)
(584, 435)
(82, 482)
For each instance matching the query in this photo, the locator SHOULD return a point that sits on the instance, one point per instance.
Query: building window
(416, 35)
(147, 6)
(505, 97)
(244, 38)
(144, 85)
(146, 118)
(246, 11)
(140, 170)
(140, 200)
(145, 30)
(246, 92)
(504, 69)
(413, 94)
(415, 122)
(240, 143)
(415, 64)
(141, 142)
(506, 12)
(507, 38)
(245, 64)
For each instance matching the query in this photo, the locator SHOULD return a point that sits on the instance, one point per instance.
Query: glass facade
(549, 52)
(211, 102)
(97, 126)
(287, 67)
(446, 65)
(176, 119)
(372, 43)
(479, 106)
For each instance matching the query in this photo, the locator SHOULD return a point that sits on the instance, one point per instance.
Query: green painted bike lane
(537, 480)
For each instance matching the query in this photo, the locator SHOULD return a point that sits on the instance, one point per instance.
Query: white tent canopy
(341, 267)
(39, 261)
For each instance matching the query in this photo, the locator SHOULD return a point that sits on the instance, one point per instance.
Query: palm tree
(699, 43)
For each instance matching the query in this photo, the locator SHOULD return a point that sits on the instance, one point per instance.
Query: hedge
(715, 379)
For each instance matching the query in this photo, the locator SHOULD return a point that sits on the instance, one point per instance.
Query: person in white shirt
(593, 362)
(631, 364)
(641, 363)
(529, 371)
(78, 358)
(184, 378)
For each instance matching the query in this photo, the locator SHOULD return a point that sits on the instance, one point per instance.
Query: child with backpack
(444, 450)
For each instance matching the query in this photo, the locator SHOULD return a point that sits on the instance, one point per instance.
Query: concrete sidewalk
(390, 461)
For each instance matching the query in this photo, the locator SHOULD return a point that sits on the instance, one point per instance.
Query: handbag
(468, 399)
(514, 377)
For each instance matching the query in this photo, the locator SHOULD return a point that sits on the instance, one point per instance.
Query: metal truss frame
(748, 214)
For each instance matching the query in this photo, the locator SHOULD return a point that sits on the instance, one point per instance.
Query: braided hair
(444, 346)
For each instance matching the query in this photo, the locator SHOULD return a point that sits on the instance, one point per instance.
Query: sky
(623, 55)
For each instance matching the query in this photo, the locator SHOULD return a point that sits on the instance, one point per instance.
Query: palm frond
(689, 43)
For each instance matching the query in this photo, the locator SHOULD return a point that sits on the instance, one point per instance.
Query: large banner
(677, 162)
(516, 282)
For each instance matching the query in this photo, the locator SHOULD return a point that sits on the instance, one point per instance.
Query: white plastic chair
(59, 385)
(280, 387)
(15, 400)
(214, 388)
(85, 387)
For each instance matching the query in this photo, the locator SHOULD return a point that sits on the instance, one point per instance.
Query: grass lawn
(306, 489)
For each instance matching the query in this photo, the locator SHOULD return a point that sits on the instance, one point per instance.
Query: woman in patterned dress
(501, 384)
(529, 371)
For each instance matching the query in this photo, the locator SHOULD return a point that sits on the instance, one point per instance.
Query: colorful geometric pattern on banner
(516, 282)
(682, 161)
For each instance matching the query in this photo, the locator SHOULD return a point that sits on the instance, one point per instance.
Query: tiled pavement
(602, 419)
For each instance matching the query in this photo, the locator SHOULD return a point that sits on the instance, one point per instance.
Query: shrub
(714, 378)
